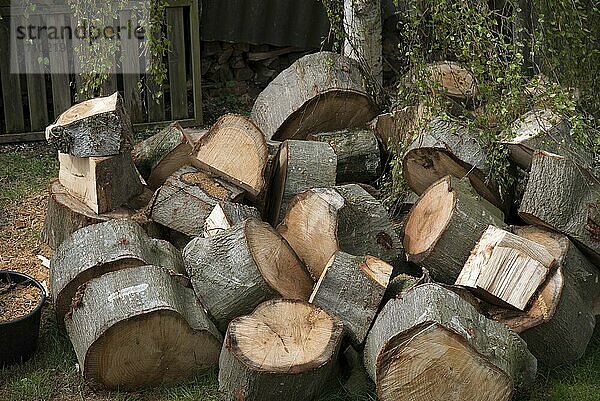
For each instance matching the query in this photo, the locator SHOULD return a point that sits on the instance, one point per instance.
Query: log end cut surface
(88, 108)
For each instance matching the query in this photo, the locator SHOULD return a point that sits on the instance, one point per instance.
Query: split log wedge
(234, 271)
(444, 226)
(431, 345)
(226, 215)
(394, 130)
(140, 327)
(284, 350)
(101, 248)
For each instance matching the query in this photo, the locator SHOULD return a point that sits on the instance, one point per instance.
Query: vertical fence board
(59, 62)
(177, 78)
(131, 62)
(11, 85)
(156, 107)
(36, 82)
(195, 12)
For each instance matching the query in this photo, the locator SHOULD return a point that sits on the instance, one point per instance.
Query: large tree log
(234, 148)
(100, 248)
(234, 271)
(357, 151)
(448, 148)
(430, 344)
(444, 226)
(101, 183)
(506, 269)
(452, 80)
(300, 165)
(139, 327)
(321, 221)
(186, 199)
(352, 287)
(564, 197)
(96, 127)
(320, 92)
(67, 214)
(226, 215)
(284, 350)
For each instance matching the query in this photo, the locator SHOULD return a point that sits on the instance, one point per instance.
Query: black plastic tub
(19, 337)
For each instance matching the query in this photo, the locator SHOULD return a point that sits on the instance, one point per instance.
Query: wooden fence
(33, 94)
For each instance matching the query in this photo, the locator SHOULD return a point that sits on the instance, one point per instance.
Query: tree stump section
(444, 226)
(564, 197)
(505, 269)
(284, 350)
(322, 221)
(101, 248)
(234, 271)
(301, 165)
(139, 327)
(234, 148)
(187, 198)
(94, 128)
(453, 80)
(226, 215)
(321, 92)
(448, 148)
(357, 151)
(352, 287)
(432, 345)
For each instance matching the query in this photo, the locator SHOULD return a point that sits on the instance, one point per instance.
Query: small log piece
(453, 80)
(226, 215)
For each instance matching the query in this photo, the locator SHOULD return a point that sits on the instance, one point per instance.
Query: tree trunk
(139, 327)
(284, 350)
(322, 221)
(234, 271)
(505, 269)
(430, 344)
(564, 197)
(357, 151)
(100, 248)
(67, 214)
(352, 287)
(320, 92)
(186, 199)
(101, 183)
(234, 148)
(300, 165)
(363, 40)
(447, 148)
(453, 80)
(95, 128)
(226, 215)
(444, 226)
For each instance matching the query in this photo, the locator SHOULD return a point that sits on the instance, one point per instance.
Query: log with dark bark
(357, 151)
(321, 221)
(226, 215)
(284, 350)
(320, 92)
(140, 327)
(564, 197)
(101, 183)
(444, 226)
(186, 199)
(452, 80)
(448, 148)
(300, 165)
(352, 287)
(506, 269)
(234, 271)
(432, 345)
(96, 127)
(100, 248)
(234, 149)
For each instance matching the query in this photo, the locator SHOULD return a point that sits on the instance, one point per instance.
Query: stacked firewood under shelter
(260, 246)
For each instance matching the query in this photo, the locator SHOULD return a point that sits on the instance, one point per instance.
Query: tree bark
(564, 197)
(139, 327)
(100, 248)
(284, 350)
(234, 271)
(186, 199)
(300, 165)
(321, 221)
(357, 151)
(444, 226)
(226, 215)
(320, 92)
(94, 128)
(430, 344)
(352, 287)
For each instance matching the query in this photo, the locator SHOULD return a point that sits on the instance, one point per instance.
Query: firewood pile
(259, 246)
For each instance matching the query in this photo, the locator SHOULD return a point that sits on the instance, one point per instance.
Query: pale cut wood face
(431, 363)
(88, 108)
(378, 270)
(453, 79)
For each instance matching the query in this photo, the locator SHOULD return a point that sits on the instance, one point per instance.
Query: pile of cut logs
(259, 246)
